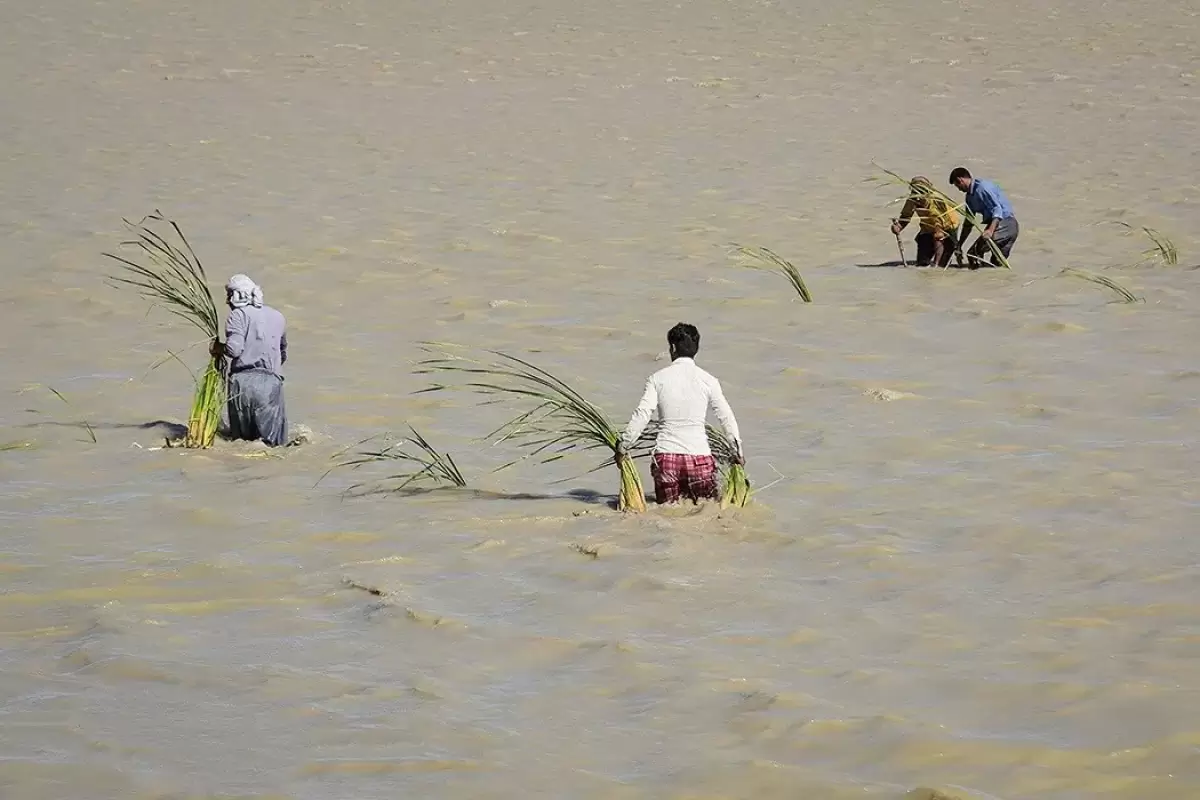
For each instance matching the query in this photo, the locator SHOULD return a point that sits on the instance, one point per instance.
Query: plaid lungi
(677, 476)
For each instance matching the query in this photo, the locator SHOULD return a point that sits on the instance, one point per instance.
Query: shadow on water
(883, 264)
(171, 430)
(588, 496)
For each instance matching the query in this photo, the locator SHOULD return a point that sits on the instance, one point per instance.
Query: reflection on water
(977, 573)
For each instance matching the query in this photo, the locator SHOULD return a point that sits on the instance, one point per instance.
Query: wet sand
(986, 583)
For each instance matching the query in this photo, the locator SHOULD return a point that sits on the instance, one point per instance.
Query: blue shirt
(986, 198)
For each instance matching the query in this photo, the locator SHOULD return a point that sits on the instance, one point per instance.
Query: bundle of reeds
(735, 484)
(559, 421)
(422, 463)
(968, 217)
(772, 262)
(173, 277)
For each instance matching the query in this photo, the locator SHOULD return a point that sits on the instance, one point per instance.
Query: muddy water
(978, 570)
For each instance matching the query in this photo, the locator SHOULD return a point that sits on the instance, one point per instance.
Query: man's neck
(682, 358)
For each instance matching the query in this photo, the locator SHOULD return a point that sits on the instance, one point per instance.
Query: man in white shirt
(682, 464)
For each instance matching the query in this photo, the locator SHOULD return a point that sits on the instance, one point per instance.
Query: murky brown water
(988, 583)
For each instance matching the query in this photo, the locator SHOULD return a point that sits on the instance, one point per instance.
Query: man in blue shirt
(987, 200)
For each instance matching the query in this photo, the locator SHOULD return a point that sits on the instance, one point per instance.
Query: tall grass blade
(1162, 249)
(87, 427)
(734, 483)
(171, 276)
(556, 421)
(772, 262)
(1126, 295)
(420, 462)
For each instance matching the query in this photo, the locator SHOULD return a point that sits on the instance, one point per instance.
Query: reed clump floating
(769, 261)
(558, 420)
(1161, 251)
(1125, 295)
(171, 276)
(969, 218)
(421, 464)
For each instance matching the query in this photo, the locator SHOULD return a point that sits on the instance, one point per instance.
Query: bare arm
(283, 348)
(905, 217)
(641, 416)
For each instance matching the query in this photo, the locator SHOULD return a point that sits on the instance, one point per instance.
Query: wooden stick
(900, 247)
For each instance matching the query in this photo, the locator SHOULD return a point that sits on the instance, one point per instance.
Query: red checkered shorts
(678, 476)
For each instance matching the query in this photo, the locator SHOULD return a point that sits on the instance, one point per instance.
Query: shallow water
(986, 583)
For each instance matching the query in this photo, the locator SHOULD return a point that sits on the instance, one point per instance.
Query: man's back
(257, 338)
(682, 394)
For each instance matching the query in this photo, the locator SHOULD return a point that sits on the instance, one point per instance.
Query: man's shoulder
(707, 376)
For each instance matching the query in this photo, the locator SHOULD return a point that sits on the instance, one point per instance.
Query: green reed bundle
(735, 484)
(172, 277)
(968, 217)
(422, 463)
(1126, 295)
(559, 420)
(771, 262)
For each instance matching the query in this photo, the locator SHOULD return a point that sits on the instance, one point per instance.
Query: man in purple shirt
(986, 199)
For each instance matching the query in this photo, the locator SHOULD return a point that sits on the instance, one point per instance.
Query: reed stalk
(1126, 295)
(557, 421)
(769, 261)
(420, 461)
(1161, 249)
(171, 276)
(83, 422)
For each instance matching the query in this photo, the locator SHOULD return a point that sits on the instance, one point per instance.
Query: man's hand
(986, 233)
(896, 228)
(620, 454)
(739, 457)
(216, 349)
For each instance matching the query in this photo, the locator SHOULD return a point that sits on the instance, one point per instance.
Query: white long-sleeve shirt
(682, 394)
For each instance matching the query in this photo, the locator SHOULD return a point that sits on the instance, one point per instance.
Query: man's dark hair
(959, 172)
(684, 340)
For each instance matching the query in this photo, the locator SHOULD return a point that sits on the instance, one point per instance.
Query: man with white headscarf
(256, 346)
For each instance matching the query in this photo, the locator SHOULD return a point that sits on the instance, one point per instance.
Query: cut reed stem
(1126, 295)
(171, 276)
(558, 419)
(772, 262)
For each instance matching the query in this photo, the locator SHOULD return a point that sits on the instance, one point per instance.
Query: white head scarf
(244, 292)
